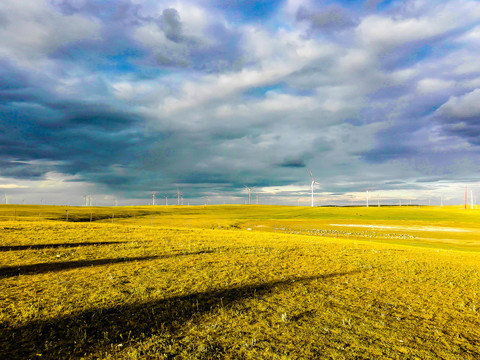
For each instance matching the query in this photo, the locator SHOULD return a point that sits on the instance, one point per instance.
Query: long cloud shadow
(55, 246)
(9, 271)
(75, 335)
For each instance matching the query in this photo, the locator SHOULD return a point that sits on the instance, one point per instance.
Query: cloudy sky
(118, 99)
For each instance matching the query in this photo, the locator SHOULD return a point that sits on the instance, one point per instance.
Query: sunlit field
(239, 282)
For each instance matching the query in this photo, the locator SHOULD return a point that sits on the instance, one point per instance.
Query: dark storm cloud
(210, 177)
(97, 116)
(171, 25)
(77, 137)
(293, 163)
(16, 86)
(460, 116)
(470, 132)
(387, 152)
(12, 78)
(23, 170)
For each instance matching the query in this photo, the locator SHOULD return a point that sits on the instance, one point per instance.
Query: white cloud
(385, 33)
(471, 37)
(216, 87)
(286, 53)
(151, 36)
(472, 84)
(194, 24)
(34, 29)
(403, 76)
(425, 22)
(432, 85)
(291, 6)
(356, 60)
(259, 43)
(464, 106)
(12, 186)
(139, 92)
(194, 18)
(284, 102)
(467, 64)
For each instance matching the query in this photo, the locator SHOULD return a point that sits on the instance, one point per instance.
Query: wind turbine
(178, 196)
(88, 200)
(249, 194)
(166, 200)
(6, 198)
(314, 182)
(153, 199)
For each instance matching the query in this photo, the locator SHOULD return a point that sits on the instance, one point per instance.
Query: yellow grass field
(239, 282)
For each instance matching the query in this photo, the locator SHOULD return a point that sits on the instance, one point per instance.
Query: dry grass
(129, 290)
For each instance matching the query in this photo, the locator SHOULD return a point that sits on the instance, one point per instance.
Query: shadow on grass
(76, 335)
(54, 246)
(9, 271)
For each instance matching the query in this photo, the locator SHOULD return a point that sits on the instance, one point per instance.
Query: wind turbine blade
(311, 175)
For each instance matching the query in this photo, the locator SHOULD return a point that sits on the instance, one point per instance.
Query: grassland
(239, 282)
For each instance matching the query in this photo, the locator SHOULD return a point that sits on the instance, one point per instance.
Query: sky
(122, 99)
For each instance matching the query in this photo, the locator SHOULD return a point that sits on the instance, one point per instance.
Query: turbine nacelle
(314, 182)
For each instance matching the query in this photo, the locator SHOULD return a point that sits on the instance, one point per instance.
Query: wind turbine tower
(249, 194)
(314, 182)
(367, 198)
(153, 199)
(88, 200)
(6, 198)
